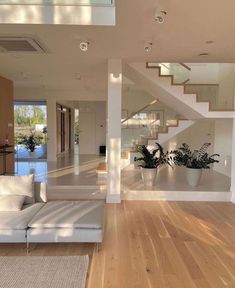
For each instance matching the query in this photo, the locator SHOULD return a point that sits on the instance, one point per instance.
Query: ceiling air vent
(20, 44)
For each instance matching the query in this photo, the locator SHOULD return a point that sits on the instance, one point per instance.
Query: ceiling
(189, 24)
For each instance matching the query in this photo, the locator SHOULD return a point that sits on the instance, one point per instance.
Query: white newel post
(233, 165)
(51, 130)
(114, 130)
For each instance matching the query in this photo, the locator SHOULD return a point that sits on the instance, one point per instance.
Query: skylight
(59, 2)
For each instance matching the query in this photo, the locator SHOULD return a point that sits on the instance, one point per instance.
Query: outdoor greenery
(30, 124)
(30, 141)
(196, 159)
(76, 128)
(154, 158)
(29, 115)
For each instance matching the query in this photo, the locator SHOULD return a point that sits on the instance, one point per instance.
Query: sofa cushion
(11, 202)
(70, 214)
(19, 219)
(18, 185)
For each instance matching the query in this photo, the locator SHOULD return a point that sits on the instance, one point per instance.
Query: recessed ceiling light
(78, 76)
(203, 54)
(209, 42)
(84, 46)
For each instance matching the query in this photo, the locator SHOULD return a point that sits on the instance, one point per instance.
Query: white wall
(223, 145)
(217, 132)
(226, 86)
(195, 136)
(92, 124)
(216, 73)
(204, 73)
(39, 93)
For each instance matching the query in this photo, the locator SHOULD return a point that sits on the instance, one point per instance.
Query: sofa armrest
(40, 190)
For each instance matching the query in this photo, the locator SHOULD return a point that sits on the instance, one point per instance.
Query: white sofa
(14, 225)
(53, 221)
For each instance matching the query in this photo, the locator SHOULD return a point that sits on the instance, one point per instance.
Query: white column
(233, 165)
(114, 130)
(51, 130)
(232, 188)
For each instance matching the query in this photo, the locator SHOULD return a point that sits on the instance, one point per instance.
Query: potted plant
(150, 160)
(194, 161)
(30, 142)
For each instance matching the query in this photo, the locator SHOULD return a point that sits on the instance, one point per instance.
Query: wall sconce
(115, 77)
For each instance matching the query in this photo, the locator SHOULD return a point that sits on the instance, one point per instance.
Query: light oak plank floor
(157, 244)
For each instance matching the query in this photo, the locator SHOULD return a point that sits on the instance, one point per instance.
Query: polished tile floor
(70, 169)
(80, 170)
(174, 179)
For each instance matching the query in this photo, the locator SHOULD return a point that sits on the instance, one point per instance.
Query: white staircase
(163, 88)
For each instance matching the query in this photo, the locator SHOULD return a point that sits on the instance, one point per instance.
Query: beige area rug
(43, 272)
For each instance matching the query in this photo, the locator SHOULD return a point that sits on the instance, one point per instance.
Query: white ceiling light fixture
(160, 16)
(84, 46)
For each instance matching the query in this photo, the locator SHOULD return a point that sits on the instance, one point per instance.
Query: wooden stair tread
(102, 167)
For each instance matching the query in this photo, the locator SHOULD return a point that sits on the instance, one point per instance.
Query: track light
(160, 16)
(148, 47)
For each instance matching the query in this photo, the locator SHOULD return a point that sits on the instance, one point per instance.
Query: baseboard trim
(233, 199)
(178, 196)
(113, 198)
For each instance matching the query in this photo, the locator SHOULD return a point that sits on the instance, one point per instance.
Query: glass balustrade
(59, 2)
(145, 125)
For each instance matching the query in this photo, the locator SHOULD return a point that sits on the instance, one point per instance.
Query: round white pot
(149, 176)
(193, 176)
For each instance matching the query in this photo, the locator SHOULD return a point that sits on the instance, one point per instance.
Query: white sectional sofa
(40, 221)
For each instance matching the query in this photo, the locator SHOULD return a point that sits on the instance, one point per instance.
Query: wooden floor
(158, 244)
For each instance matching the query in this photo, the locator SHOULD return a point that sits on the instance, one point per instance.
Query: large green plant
(197, 159)
(154, 158)
(30, 141)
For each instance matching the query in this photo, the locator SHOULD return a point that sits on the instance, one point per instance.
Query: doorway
(30, 122)
(63, 116)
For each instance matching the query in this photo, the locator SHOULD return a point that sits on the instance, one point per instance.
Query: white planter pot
(193, 176)
(149, 176)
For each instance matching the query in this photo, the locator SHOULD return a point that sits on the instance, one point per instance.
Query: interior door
(58, 122)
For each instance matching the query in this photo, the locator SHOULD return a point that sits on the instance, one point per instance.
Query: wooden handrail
(185, 66)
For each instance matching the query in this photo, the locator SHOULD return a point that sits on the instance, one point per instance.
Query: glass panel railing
(206, 92)
(212, 82)
(146, 125)
(180, 71)
(58, 2)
